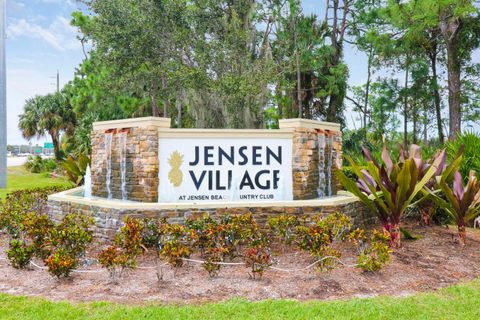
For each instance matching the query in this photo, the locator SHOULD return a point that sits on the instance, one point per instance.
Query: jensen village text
(238, 156)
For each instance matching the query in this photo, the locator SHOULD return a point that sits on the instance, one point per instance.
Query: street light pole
(3, 99)
(58, 81)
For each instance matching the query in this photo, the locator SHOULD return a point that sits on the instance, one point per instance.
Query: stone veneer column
(305, 153)
(141, 157)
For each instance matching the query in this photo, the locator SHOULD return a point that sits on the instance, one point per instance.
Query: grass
(20, 178)
(456, 302)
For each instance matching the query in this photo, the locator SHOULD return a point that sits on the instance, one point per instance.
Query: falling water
(321, 165)
(122, 151)
(108, 161)
(329, 165)
(87, 186)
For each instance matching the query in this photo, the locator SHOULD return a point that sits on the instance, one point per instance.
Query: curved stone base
(109, 214)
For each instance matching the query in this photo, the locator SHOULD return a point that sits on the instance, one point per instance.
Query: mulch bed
(432, 262)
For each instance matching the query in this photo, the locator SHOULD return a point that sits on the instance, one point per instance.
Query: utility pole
(3, 99)
(58, 81)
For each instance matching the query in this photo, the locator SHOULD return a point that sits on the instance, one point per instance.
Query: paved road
(16, 161)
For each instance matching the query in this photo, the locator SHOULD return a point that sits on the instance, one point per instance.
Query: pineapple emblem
(175, 175)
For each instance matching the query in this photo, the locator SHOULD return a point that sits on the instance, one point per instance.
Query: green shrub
(127, 246)
(50, 164)
(23, 217)
(116, 261)
(73, 234)
(258, 259)
(204, 233)
(61, 263)
(318, 237)
(36, 164)
(471, 155)
(130, 236)
(176, 246)
(37, 229)
(242, 228)
(19, 254)
(283, 227)
(68, 241)
(376, 255)
(212, 257)
(75, 167)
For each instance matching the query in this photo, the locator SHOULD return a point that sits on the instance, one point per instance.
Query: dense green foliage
(51, 114)
(470, 142)
(247, 64)
(238, 239)
(23, 217)
(36, 164)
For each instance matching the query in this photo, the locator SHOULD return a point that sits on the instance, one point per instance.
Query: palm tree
(50, 114)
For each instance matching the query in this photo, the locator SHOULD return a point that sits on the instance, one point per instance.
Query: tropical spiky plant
(388, 188)
(461, 202)
(75, 167)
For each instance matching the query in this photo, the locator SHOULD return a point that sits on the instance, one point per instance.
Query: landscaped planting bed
(434, 261)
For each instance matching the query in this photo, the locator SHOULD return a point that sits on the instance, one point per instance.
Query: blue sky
(40, 41)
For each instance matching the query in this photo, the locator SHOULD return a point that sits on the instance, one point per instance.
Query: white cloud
(15, 6)
(59, 34)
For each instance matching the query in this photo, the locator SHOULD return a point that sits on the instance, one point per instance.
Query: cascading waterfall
(108, 161)
(321, 165)
(329, 165)
(87, 186)
(122, 152)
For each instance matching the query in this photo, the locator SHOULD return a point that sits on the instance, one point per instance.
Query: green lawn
(21, 178)
(457, 302)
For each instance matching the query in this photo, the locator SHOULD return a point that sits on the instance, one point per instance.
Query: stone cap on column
(308, 124)
(132, 123)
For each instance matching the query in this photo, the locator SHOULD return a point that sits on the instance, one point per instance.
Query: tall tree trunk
(405, 108)
(154, 98)
(339, 25)
(425, 124)
(414, 120)
(166, 102)
(56, 144)
(436, 95)
(454, 84)
(278, 93)
(450, 28)
(367, 90)
(179, 114)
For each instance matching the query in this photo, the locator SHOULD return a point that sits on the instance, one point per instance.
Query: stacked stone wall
(109, 220)
(305, 177)
(141, 163)
(306, 157)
